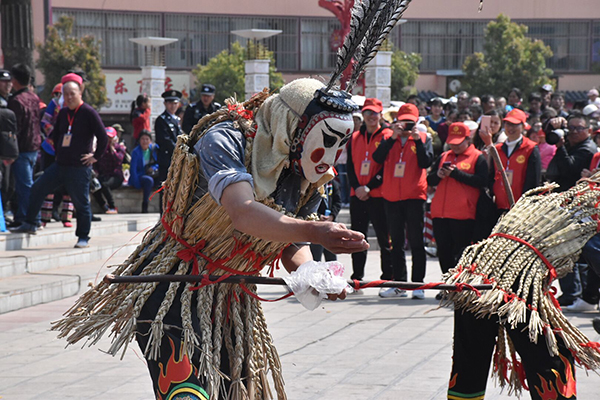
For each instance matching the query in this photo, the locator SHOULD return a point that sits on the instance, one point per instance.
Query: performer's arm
(258, 220)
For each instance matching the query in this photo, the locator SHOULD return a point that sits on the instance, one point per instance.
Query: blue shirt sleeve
(221, 152)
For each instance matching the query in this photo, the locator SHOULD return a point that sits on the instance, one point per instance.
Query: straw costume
(537, 241)
(207, 340)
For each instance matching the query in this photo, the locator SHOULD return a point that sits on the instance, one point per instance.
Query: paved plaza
(364, 347)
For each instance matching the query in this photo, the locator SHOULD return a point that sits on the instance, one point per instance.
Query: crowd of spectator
(424, 161)
(433, 160)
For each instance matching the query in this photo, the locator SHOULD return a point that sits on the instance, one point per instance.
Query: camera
(408, 125)
(555, 135)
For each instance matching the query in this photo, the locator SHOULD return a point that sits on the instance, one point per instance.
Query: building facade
(443, 32)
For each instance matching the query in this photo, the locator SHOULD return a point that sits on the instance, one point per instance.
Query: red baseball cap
(111, 132)
(373, 104)
(57, 88)
(72, 78)
(408, 112)
(457, 133)
(516, 116)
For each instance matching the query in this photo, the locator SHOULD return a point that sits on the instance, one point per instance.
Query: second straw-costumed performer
(537, 241)
(240, 189)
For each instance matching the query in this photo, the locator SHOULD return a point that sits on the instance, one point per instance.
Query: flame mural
(175, 371)
(566, 389)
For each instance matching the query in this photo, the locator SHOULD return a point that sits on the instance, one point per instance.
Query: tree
(405, 71)
(63, 52)
(226, 71)
(17, 33)
(509, 59)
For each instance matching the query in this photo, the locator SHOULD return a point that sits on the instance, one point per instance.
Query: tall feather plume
(363, 14)
(380, 28)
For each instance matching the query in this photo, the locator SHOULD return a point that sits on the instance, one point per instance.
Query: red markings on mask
(317, 154)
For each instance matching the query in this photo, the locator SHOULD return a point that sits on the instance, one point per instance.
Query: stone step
(54, 232)
(56, 255)
(26, 290)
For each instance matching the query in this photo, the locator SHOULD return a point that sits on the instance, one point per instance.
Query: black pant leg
(359, 221)
(462, 234)
(415, 215)
(443, 237)
(380, 225)
(317, 251)
(474, 341)
(396, 221)
(541, 368)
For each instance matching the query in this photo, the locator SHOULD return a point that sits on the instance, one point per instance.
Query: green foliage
(63, 52)
(226, 71)
(405, 71)
(509, 60)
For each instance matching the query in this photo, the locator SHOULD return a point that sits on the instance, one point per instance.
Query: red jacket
(362, 151)
(595, 162)
(413, 183)
(515, 165)
(454, 199)
(140, 121)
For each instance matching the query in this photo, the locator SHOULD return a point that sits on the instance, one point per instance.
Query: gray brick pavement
(364, 347)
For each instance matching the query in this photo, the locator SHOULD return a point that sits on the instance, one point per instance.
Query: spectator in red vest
(405, 157)
(459, 175)
(520, 158)
(366, 176)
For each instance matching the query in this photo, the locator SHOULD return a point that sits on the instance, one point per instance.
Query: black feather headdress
(371, 23)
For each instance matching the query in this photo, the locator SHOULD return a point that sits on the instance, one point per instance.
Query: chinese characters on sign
(122, 87)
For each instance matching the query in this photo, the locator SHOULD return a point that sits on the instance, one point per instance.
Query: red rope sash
(537, 252)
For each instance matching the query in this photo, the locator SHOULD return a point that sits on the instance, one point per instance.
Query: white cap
(593, 92)
(589, 109)
(472, 125)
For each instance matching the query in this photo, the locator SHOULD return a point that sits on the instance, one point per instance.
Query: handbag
(151, 169)
(9, 146)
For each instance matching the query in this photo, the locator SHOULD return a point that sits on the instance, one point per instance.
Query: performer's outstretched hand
(336, 238)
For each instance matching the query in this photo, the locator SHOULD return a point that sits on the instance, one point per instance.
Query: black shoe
(96, 219)
(14, 224)
(439, 296)
(565, 301)
(596, 324)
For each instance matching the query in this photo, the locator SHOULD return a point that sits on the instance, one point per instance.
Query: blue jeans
(147, 183)
(22, 169)
(76, 181)
(573, 284)
(344, 183)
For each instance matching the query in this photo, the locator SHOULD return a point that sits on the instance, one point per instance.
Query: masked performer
(240, 189)
(538, 240)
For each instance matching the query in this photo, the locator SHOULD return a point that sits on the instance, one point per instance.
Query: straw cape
(198, 238)
(537, 241)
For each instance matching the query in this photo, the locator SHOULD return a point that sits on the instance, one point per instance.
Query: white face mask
(323, 144)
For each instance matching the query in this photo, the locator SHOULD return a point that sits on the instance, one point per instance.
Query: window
(442, 44)
(569, 41)
(596, 47)
(316, 37)
(303, 44)
(113, 31)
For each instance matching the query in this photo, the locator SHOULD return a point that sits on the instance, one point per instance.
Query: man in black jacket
(166, 129)
(205, 106)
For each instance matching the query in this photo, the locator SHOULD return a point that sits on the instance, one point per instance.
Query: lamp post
(378, 74)
(153, 72)
(255, 67)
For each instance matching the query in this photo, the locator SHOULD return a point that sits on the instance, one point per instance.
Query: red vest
(363, 151)
(595, 162)
(452, 198)
(413, 183)
(517, 165)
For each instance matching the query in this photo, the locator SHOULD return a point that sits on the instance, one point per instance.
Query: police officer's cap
(172, 95)
(207, 88)
(4, 75)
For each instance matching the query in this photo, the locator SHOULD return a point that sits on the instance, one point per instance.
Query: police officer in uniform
(166, 129)
(205, 106)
